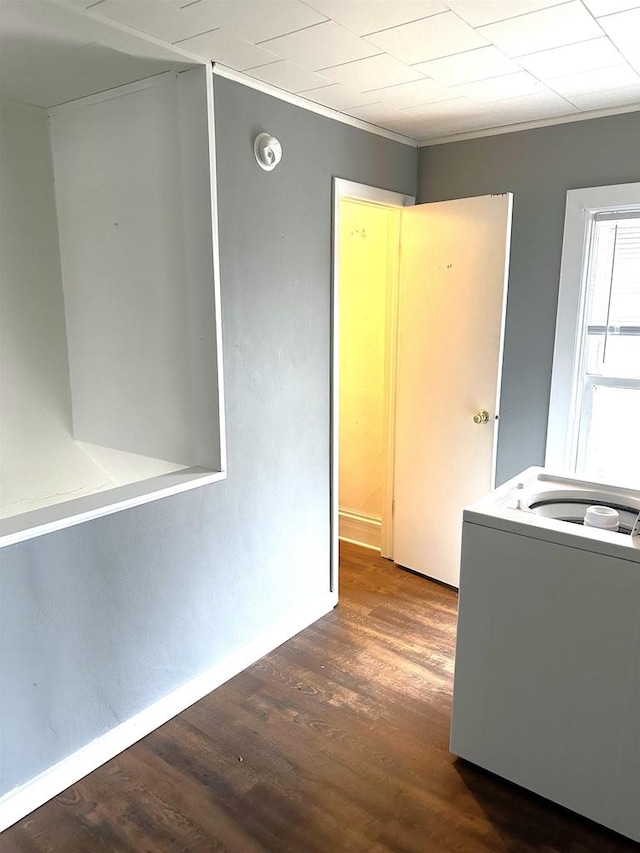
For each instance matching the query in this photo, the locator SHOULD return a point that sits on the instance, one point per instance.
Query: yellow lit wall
(366, 232)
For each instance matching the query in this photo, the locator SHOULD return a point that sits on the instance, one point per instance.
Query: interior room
(312, 314)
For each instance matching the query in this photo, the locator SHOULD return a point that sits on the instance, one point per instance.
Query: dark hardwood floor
(337, 741)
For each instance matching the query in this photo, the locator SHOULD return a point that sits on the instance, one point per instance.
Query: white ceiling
(423, 68)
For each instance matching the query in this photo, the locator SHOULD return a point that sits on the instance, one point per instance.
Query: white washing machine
(547, 674)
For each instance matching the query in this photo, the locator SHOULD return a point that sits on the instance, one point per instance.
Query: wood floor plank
(337, 741)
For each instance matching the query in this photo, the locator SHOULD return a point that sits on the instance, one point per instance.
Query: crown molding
(178, 54)
(310, 106)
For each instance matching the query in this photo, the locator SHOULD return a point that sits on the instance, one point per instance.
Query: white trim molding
(361, 529)
(581, 207)
(310, 106)
(20, 801)
(375, 195)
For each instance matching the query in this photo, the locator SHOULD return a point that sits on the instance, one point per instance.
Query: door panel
(452, 282)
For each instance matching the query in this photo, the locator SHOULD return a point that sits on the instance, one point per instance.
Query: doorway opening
(419, 359)
(364, 301)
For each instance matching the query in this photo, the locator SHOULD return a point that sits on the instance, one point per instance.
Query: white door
(452, 294)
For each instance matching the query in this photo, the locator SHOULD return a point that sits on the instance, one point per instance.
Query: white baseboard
(20, 801)
(361, 529)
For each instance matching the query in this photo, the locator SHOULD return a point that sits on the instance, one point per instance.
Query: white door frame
(359, 192)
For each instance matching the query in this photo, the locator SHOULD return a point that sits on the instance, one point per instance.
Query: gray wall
(100, 620)
(538, 166)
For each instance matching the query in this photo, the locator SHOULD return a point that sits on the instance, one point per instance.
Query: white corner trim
(217, 278)
(310, 106)
(20, 801)
(360, 529)
(528, 125)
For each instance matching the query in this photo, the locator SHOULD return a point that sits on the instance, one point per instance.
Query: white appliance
(547, 676)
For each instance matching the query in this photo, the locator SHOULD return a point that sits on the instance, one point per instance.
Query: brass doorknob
(481, 417)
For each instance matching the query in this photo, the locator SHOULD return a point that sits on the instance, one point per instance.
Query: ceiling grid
(421, 68)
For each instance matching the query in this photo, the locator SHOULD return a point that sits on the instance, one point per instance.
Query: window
(594, 417)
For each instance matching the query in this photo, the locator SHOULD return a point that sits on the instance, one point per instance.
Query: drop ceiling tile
(255, 20)
(632, 55)
(608, 7)
(530, 107)
(437, 118)
(478, 64)
(379, 113)
(370, 16)
(431, 133)
(289, 76)
(455, 108)
(372, 73)
(608, 99)
(496, 123)
(222, 46)
(414, 128)
(500, 115)
(594, 81)
(582, 56)
(488, 11)
(161, 20)
(623, 28)
(339, 97)
(321, 46)
(516, 111)
(412, 94)
(558, 25)
(429, 38)
(500, 88)
(456, 127)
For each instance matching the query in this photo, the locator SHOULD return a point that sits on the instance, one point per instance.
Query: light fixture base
(267, 150)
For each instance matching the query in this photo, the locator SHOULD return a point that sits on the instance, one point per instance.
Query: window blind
(614, 276)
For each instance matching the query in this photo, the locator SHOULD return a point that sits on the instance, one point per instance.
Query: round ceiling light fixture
(268, 151)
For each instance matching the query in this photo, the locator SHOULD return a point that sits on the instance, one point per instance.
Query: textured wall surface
(538, 166)
(100, 620)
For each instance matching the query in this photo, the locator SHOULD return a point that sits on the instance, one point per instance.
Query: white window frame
(568, 354)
